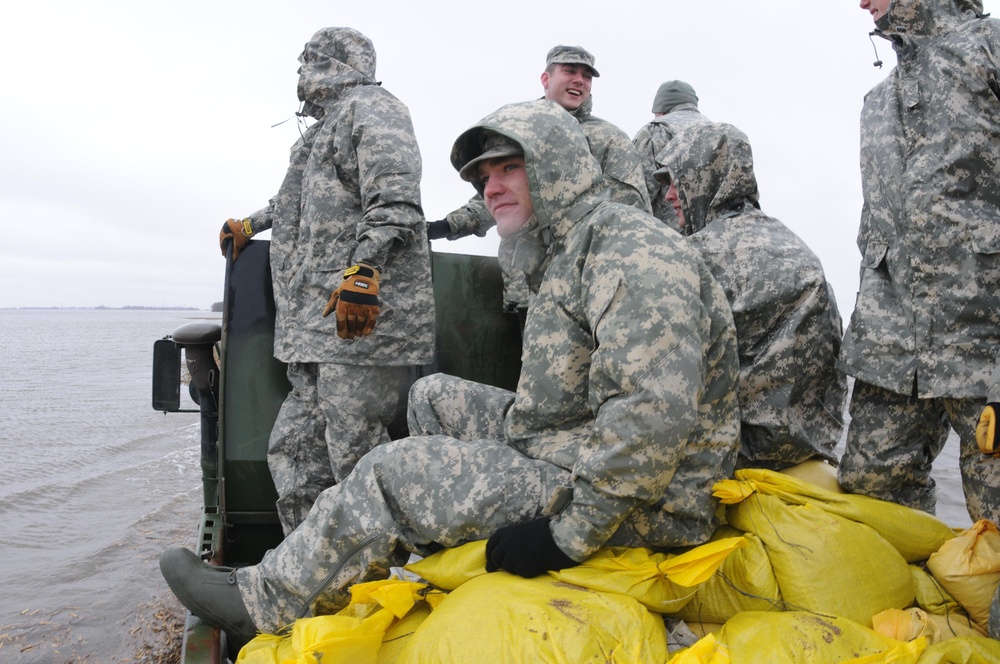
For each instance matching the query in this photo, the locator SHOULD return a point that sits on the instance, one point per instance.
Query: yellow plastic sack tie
(697, 565)
(730, 492)
(450, 568)
(706, 650)
(394, 594)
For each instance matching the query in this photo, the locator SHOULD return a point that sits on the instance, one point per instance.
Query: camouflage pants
(893, 440)
(348, 408)
(415, 494)
(443, 404)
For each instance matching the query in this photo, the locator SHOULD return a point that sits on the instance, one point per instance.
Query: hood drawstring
(878, 61)
(300, 116)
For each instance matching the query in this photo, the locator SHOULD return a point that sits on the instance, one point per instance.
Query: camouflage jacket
(351, 195)
(629, 364)
(927, 317)
(618, 160)
(788, 327)
(650, 141)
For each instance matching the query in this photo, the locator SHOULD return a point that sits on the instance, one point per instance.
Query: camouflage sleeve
(389, 169)
(993, 395)
(645, 384)
(470, 219)
(623, 168)
(645, 146)
(261, 219)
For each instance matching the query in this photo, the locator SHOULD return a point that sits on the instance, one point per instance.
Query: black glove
(986, 430)
(438, 229)
(525, 549)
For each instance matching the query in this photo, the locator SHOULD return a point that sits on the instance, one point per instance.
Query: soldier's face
(875, 7)
(568, 85)
(507, 193)
(675, 203)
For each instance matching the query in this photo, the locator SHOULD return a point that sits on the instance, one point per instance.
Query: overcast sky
(129, 131)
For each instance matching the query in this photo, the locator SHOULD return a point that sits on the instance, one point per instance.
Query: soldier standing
(923, 336)
(347, 238)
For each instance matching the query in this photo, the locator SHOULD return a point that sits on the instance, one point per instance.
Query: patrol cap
(570, 55)
(493, 145)
(673, 93)
(662, 175)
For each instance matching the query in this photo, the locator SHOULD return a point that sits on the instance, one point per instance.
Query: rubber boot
(210, 593)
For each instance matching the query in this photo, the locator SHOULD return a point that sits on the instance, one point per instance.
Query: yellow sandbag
(351, 636)
(901, 653)
(500, 617)
(963, 650)
(968, 567)
(661, 582)
(399, 633)
(814, 471)
(930, 595)
(914, 622)
(744, 582)
(267, 649)
(826, 563)
(787, 637)
(915, 534)
(332, 639)
(703, 629)
(906, 625)
(449, 568)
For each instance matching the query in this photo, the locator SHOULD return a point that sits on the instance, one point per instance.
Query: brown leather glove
(237, 230)
(986, 430)
(355, 301)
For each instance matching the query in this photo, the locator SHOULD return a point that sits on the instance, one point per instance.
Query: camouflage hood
(334, 61)
(925, 17)
(563, 175)
(712, 167)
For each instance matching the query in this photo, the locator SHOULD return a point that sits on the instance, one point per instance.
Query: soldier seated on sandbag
(788, 327)
(624, 417)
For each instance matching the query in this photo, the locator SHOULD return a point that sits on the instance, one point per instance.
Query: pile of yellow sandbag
(832, 577)
(800, 574)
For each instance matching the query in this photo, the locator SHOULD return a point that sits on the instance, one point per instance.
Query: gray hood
(711, 165)
(334, 61)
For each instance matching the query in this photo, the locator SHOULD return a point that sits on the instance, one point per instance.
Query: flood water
(94, 484)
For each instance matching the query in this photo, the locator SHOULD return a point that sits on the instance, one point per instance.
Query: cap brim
(470, 172)
(589, 66)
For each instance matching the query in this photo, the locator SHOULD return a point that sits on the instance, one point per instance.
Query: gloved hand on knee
(525, 549)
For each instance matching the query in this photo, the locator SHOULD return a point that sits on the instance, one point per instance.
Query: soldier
(675, 107)
(624, 417)
(788, 327)
(348, 233)
(923, 336)
(569, 73)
